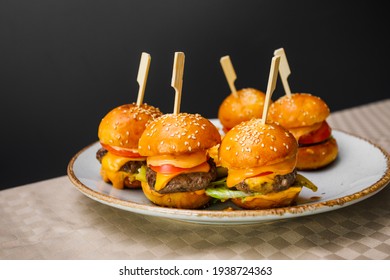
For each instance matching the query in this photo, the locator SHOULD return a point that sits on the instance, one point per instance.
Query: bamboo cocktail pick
(272, 78)
(230, 74)
(284, 70)
(177, 79)
(142, 76)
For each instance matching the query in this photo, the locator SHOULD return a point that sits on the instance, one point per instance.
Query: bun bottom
(120, 179)
(182, 200)
(317, 156)
(132, 185)
(271, 200)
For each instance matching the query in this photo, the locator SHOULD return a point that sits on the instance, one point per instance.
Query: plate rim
(244, 216)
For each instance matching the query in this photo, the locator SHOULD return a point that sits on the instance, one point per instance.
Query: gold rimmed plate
(361, 170)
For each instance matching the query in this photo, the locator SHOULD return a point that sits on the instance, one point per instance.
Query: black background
(64, 64)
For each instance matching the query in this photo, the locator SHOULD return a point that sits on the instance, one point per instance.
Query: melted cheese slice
(163, 179)
(236, 176)
(112, 162)
(182, 161)
(213, 153)
(115, 178)
(110, 169)
(303, 130)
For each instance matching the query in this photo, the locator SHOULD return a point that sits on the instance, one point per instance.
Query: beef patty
(185, 182)
(280, 183)
(129, 167)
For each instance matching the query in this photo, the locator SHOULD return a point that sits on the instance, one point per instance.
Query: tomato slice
(167, 169)
(121, 152)
(316, 136)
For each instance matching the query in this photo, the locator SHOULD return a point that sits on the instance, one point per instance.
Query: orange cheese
(110, 169)
(236, 176)
(163, 179)
(115, 178)
(182, 161)
(112, 162)
(303, 130)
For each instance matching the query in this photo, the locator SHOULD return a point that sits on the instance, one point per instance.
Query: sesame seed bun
(317, 156)
(253, 144)
(303, 114)
(246, 105)
(122, 126)
(119, 131)
(268, 147)
(181, 200)
(301, 109)
(271, 200)
(175, 134)
(181, 136)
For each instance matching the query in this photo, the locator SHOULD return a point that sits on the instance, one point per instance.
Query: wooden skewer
(142, 76)
(273, 76)
(177, 79)
(230, 74)
(284, 70)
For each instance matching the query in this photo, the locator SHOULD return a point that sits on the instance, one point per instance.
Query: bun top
(174, 134)
(122, 126)
(253, 144)
(301, 109)
(246, 105)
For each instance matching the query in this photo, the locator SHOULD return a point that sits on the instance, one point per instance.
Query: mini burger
(179, 168)
(304, 115)
(261, 162)
(248, 103)
(119, 132)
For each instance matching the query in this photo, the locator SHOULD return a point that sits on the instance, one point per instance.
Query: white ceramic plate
(361, 170)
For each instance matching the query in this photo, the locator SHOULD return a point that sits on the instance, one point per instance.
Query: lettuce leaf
(219, 189)
(141, 175)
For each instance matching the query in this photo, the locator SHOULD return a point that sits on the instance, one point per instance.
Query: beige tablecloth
(53, 220)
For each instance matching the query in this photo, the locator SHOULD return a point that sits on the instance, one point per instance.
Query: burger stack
(182, 161)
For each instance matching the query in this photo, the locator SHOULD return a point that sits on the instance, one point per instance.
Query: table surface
(51, 219)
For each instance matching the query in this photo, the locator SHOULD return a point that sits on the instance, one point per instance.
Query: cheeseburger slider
(261, 160)
(178, 165)
(304, 115)
(239, 105)
(119, 132)
(243, 105)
